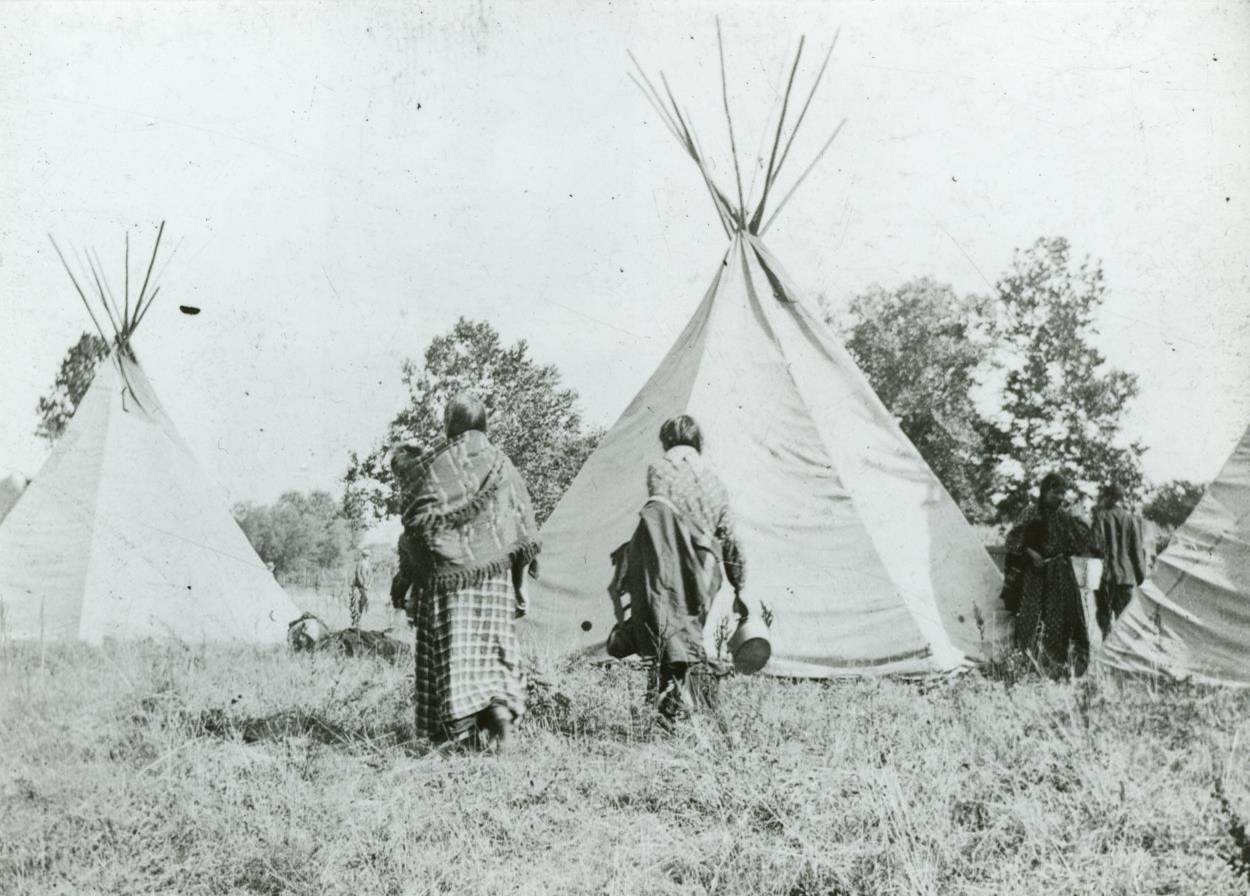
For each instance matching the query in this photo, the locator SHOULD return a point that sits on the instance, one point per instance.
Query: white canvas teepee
(11, 487)
(122, 535)
(863, 559)
(1191, 619)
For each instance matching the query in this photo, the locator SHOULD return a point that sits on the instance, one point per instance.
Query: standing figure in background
(1050, 622)
(358, 600)
(1118, 532)
(469, 540)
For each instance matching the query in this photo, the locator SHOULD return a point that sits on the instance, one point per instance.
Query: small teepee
(121, 534)
(1191, 618)
(865, 563)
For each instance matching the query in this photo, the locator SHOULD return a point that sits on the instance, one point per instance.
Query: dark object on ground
(305, 633)
(358, 642)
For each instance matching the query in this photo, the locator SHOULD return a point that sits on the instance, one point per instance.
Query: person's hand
(522, 599)
(1034, 557)
(399, 592)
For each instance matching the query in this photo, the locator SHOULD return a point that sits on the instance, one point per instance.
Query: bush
(299, 533)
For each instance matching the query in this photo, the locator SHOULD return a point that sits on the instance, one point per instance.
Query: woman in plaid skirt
(469, 539)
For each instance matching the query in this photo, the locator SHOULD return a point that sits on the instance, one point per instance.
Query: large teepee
(1191, 619)
(121, 534)
(863, 559)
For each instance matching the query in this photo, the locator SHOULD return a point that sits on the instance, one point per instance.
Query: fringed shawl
(468, 514)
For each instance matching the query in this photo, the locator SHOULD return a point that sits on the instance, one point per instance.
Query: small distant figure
(1050, 622)
(1118, 531)
(358, 602)
(269, 566)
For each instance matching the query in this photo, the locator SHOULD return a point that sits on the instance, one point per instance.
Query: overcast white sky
(344, 181)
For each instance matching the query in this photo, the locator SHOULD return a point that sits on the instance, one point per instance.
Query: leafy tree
(1062, 405)
(923, 349)
(530, 416)
(1171, 503)
(299, 532)
(72, 381)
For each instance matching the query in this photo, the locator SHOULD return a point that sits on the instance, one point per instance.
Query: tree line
(1054, 403)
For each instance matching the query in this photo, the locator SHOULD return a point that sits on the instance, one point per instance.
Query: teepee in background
(1191, 618)
(121, 534)
(863, 559)
(11, 488)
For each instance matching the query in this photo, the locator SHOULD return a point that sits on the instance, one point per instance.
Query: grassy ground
(166, 769)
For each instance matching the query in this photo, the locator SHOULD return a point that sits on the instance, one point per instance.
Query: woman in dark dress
(1050, 621)
(672, 569)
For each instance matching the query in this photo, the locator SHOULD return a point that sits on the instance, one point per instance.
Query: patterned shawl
(468, 514)
(1056, 533)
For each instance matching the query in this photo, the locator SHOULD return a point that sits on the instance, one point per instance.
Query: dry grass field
(164, 769)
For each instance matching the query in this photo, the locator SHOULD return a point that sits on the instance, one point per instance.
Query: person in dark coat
(1050, 620)
(672, 570)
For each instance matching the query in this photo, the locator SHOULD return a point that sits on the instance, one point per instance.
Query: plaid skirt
(467, 657)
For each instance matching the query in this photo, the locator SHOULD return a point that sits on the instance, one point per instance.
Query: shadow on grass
(1235, 852)
(309, 724)
(616, 701)
(573, 715)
